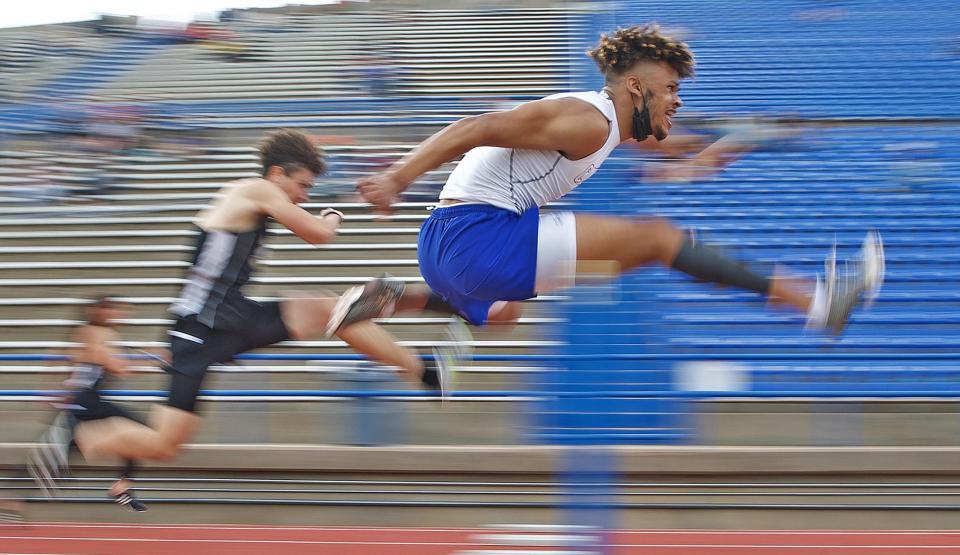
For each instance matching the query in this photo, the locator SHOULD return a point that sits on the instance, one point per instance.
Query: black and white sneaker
(129, 500)
(376, 299)
(860, 280)
(43, 470)
(49, 460)
(60, 436)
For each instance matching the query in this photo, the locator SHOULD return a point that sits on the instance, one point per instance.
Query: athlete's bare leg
(169, 429)
(172, 427)
(306, 317)
(631, 243)
(415, 299)
(504, 313)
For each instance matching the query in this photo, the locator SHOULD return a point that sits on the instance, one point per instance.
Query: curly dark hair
(624, 48)
(291, 150)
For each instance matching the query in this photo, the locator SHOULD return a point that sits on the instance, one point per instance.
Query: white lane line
(800, 532)
(403, 529)
(467, 544)
(208, 540)
(242, 527)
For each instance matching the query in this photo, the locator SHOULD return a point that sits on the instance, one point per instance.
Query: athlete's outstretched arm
(570, 126)
(712, 158)
(676, 145)
(303, 224)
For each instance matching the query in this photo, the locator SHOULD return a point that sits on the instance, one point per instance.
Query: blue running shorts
(476, 254)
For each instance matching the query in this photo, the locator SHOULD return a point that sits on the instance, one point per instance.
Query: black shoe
(129, 500)
(375, 299)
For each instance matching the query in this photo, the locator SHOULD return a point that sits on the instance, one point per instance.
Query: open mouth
(670, 118)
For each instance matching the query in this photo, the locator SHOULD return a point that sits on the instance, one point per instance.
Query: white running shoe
(861, 280)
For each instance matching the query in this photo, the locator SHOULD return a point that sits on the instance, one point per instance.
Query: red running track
(132, 539)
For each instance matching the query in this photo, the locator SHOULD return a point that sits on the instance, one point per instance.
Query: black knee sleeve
(710, 264)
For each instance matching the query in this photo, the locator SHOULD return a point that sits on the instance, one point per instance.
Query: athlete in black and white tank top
(86, 375)
(221, 266)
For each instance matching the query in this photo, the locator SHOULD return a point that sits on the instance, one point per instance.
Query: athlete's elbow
(320, 236)
(118, 368)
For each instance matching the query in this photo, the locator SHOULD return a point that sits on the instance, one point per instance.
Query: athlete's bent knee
(665, 236)
(165, 451)
(504, 313)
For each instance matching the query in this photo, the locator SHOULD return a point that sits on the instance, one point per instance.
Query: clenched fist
(380, 190)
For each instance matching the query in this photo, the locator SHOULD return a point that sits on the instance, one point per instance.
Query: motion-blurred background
(648, 402)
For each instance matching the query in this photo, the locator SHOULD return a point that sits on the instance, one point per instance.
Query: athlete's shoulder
(90, 335)
(568, 111)
(102, 333)
(587, 96)
(239, 206)
(251, 187)
(582, 114)
(256, 194)
(585, 100)
(82, 334)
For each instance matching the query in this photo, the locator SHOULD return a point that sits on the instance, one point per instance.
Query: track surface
(110, 539)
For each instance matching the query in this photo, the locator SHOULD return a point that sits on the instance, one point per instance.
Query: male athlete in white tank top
(516, 179)
(486, 246)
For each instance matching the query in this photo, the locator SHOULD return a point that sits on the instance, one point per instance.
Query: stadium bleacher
(873, 85)
(783, 206)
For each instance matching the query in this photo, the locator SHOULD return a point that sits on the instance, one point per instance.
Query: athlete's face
(111, 314)
(296, 184)
(660, 85)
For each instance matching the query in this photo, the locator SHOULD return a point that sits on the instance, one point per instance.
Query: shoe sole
(341, 309)
(444, 372)
(838, 327)
(461, 339)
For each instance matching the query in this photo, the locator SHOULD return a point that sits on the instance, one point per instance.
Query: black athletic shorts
(87, 404)
(195, 347)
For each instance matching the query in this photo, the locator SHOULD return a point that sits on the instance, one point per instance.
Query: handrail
(406, 394)
(515, 504)
(545, 357)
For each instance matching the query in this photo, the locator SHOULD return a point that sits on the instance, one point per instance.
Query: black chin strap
(641, 121)
(642, 127)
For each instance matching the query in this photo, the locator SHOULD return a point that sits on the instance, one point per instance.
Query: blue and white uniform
(495, 245)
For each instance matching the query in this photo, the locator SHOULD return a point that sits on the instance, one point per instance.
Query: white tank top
(517, 179)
